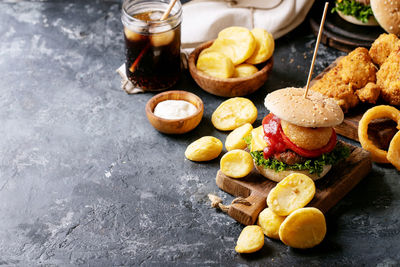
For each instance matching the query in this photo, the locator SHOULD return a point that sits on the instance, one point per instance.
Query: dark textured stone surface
(85, 179)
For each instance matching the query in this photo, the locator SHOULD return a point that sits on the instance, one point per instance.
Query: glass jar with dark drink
(152, 45)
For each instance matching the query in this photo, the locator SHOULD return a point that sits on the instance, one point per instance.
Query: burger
(355, 11)
(387, 13)
(297, 135)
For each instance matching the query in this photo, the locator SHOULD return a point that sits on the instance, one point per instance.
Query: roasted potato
(265, 46)
(244, 70)
(233, 113)
(251, 239)
(292, 193)
(204, 149)
(236, 163)
(237, 43)
(235, 140)
(258, 142)
(270, 222)
(215, 64)
(303, 228)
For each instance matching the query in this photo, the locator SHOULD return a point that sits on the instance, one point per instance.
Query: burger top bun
(387, 13)
(316, 110)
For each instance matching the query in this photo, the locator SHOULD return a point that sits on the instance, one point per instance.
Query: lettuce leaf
(353, 8)
(247, 140)
(315, 165)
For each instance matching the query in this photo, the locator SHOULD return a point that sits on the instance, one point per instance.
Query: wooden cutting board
(380, 131)
(329, 189)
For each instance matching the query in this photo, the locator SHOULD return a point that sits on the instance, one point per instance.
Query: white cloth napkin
(204, 19)
(126, 85)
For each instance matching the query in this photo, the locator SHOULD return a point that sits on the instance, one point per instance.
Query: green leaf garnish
(353, 8)
(247, 140)
(315, 165)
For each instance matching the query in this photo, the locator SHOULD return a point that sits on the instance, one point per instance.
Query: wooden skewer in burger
(297, 134)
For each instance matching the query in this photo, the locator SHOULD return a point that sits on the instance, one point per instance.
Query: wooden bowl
(176, 126)
(229, 87)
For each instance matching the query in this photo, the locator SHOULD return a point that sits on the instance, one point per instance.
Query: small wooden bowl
(229, 87)
(177, 126)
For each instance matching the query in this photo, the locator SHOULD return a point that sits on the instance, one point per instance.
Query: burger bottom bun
(279, 176)
(371, 21)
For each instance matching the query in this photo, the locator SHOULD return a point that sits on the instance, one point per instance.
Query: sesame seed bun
(387, 13)
(316, 110)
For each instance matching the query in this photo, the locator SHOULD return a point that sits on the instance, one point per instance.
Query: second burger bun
(387, 13)
(371, 21)
(349, 18)
(315, 110)
(279, 176)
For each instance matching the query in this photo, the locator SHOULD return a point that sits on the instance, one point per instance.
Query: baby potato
(270, 223)
(244, 70)
(292, 193)
(204, 149)
(233, 113)
(250, 240)
(258, 142)
(304, 228)
(265, 46)
(236, 163)
(215, 64)
(237, 43)
(234, 140)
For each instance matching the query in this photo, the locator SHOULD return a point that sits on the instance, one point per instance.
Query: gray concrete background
(85, 179)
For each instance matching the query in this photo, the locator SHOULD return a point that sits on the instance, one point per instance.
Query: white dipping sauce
(174, 109)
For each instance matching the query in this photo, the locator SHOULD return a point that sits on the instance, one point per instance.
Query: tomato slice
(310, 153)
(278, 142)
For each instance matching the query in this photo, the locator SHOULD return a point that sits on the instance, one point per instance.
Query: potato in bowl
(237, 63)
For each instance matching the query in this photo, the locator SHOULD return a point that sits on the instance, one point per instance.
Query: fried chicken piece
(369, 93)
(352, 73)
(388, 78)
(357, 68)
(382, 47)
(332, 85)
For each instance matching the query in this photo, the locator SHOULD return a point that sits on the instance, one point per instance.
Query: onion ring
(307, 137)
(393, 154)
(382, 111)
(310, 153)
